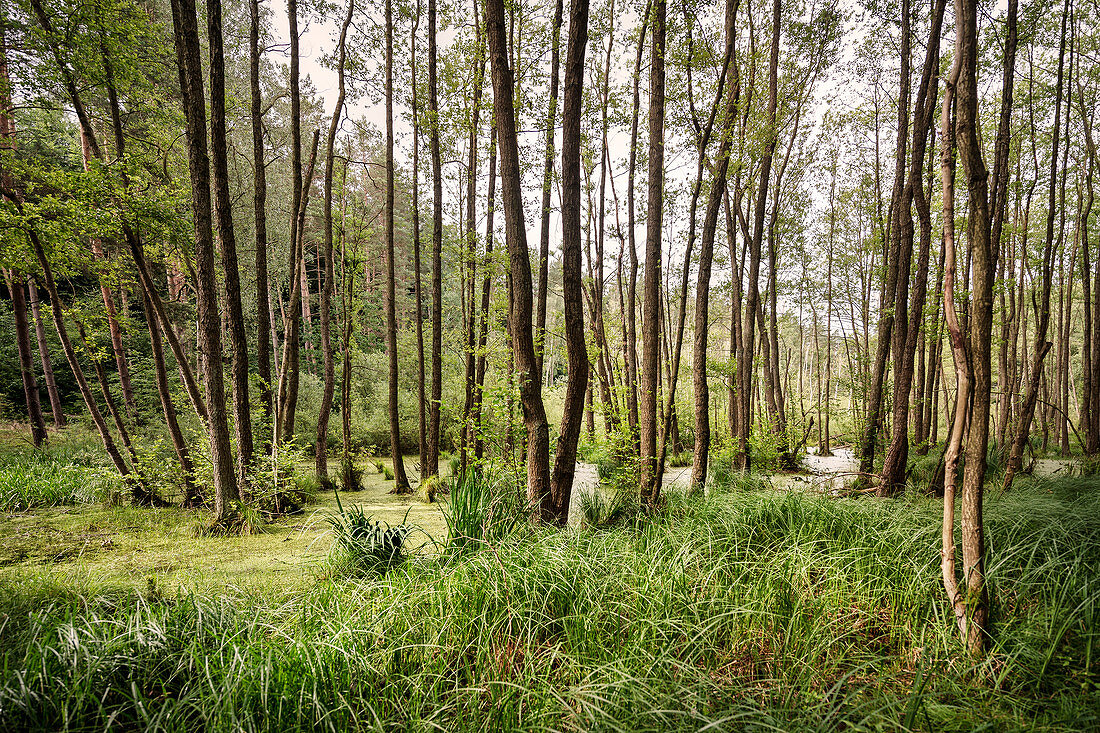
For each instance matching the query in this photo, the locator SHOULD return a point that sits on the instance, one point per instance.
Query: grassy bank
(749, 610)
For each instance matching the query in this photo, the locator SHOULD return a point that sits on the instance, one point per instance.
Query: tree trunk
(1042, 346)
(238, 341)
(321, 449)
(526, 362)
(288, 373)
(186, 38)
(706, 258)
(908, 315)
(422, 422)
(401, 481)
(561, 483)
(649, 471)
(630, 338)
(547, 181)
(44, 356)
(745, 386)
(432, 466)
(259, 204)
(26, 360)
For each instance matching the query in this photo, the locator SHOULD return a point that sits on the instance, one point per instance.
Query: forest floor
(766, 605)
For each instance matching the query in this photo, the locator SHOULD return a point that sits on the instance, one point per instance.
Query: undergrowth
(742, 611)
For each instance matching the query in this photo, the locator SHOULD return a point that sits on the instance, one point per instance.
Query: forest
(619, 365)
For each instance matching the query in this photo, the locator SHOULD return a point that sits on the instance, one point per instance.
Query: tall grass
(37, 480)
(743, 611)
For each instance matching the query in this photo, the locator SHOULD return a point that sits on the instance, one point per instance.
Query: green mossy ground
(750, 609)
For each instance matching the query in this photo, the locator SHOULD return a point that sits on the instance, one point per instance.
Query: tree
(561, 484)
(186, 37)
(401, 485)
(649, 473)
(523, 347)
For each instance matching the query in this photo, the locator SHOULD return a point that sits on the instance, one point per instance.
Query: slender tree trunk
(288, 373)
(908, 315)
(980, 322)
(1042, 346)
(649, 473)
(421, 403)
(432, 466)
(547, 181)
(321, 449)
(630, 339)
(26, 359)
(219, 159)
(526, 362)
(706, 258)
(192, 495)
(401, 481)
(745, 386)
(44, 355)
(486, 292)
(259, 205)
(468, 429)
(561, 482)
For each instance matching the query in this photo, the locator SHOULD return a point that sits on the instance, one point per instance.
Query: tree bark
(561, 483)
(401, 481)
(432, 467)
(44, 355)
(238, 341)
(321, 449)
(26, 360)
(186, 37)
(259, 205)
(649, 471)
(547, 181)
(1042, 346)
(526, 362)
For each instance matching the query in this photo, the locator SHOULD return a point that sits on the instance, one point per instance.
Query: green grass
(37, 480)
(745, 611)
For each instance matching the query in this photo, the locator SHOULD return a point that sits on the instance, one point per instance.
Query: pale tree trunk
(526, 362)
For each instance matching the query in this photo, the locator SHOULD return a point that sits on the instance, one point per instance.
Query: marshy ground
(753, 608)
